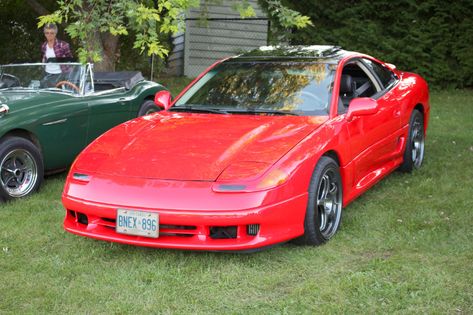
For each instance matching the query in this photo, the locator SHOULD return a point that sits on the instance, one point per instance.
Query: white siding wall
(202, 45)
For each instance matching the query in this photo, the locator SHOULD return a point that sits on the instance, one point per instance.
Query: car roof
(320, 53)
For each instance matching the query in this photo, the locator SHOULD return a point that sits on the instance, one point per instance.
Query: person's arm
(67, 50)
(62, 49)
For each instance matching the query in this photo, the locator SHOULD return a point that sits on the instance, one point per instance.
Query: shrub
(432, 38)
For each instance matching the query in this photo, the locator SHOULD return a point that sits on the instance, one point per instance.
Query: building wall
(175, 64)
(223, 34)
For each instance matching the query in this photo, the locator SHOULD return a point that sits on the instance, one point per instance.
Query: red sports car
(260, 149)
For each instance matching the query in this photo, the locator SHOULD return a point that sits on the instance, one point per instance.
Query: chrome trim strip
(60, 121)
(110, 91)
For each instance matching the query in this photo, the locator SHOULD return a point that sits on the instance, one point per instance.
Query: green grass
(404, 247)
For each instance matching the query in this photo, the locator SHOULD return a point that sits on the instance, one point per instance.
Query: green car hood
(23, 100)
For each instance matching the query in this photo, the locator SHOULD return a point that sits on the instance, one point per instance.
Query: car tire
(148, 107)
(414, 152)
(21, 168)
(324, 206)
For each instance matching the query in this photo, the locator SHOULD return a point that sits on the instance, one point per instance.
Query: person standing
(53, 48)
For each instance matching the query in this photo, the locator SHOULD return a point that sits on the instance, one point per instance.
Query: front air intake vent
(223, 232)
(252, 229)
(82, 218)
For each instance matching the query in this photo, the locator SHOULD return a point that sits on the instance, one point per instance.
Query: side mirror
(362, 106)
(163, 99)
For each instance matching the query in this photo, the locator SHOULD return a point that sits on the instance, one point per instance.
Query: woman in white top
(53, 48)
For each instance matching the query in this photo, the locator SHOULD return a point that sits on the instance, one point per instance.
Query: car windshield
(62, 77)
(272, 88)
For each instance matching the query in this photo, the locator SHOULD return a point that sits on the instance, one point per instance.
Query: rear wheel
(21, 168)
(414, 152)
(324, 207)
(148, 107)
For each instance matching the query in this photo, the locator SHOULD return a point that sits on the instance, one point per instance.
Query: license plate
(135, 222)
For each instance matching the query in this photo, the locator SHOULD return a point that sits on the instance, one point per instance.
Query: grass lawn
(404, 247)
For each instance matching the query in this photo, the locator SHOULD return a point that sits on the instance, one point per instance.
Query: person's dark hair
(50, 26)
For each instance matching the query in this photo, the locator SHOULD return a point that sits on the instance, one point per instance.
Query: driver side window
(355, 82)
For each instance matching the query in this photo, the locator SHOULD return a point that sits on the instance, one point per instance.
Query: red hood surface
(183, 146)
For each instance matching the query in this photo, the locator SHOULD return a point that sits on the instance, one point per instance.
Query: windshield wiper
(252, 111)
(261, 111)
(198, 109)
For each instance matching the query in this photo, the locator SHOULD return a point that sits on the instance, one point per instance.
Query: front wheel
(148, 107)
(324, 207)
(21, 168)
(414, 152)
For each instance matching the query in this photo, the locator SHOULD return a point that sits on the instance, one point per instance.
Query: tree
(20, 38)
(432, 39)
(98, 24)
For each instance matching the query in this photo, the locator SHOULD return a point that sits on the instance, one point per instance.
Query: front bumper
(192, 229)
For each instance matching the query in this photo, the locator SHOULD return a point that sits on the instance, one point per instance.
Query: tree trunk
(37, 7)
(111, 51)
(107, 44)
(106, 65)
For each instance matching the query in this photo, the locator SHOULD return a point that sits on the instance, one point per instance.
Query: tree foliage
(285, 16)
(429, 37)
(20, 37)
(84, 18)
(89, 20)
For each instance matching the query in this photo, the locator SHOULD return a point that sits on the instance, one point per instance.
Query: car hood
(199, 147)
(18, 100)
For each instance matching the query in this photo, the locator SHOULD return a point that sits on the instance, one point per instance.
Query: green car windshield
(62, 77)
(292, 88)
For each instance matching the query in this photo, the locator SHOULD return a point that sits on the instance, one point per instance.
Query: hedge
(433, 38)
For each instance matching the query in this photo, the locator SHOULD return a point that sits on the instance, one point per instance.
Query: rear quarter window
(385, 75)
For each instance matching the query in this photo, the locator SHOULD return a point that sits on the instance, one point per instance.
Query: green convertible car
(50, 112)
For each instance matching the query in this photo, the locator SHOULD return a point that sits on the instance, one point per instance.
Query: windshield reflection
(36, 77)
(294, 87)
